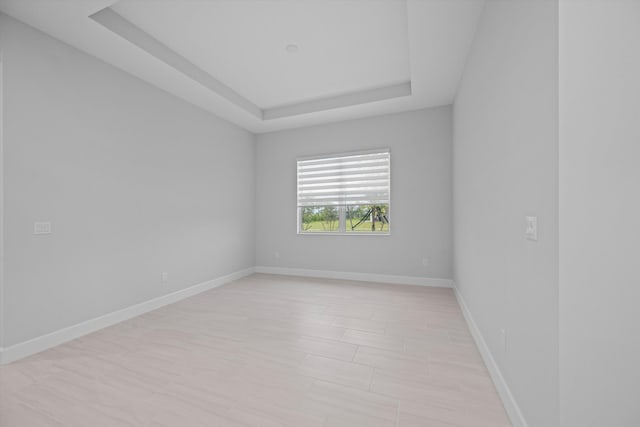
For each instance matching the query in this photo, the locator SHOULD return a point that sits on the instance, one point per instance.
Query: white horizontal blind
(339, 180)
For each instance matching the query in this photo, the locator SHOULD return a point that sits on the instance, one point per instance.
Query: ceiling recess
(126, 29)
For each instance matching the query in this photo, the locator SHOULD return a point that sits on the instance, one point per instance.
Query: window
(344, 194)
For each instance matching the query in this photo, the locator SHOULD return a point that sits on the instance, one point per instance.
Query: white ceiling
(356, 58)
(242, 43)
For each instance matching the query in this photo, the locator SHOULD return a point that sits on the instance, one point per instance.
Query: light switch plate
(531, 227)
(42, 228)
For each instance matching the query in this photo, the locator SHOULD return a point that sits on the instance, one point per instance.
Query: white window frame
(342, 208)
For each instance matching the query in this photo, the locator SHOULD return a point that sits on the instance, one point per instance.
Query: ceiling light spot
(292, 48)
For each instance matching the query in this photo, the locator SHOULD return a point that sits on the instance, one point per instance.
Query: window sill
(319, 233)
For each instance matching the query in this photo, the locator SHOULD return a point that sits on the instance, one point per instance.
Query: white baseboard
(36, 345)
(510, 404)
(364, 277)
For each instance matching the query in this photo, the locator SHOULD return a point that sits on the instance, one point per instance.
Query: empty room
(319, 213)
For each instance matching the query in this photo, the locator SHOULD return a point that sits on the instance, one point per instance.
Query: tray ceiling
(275, 64)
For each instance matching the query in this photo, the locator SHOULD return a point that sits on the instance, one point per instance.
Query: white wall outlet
(503, 339)
(425, 261)
(164, 277)
(277, 255)
(531, 227)
(42, 227)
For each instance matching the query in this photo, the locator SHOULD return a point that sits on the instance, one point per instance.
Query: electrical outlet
(277, 255)
(164, 277)
(42, 227)
(425, 261)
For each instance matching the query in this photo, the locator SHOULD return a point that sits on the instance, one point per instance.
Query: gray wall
(599, 213)
(134, 181)
(420, 144)
(505, 165)
(1, 210)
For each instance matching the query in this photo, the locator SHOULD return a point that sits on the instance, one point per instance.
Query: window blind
(349, 179)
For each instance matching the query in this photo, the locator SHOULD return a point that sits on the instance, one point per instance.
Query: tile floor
(267, 351)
